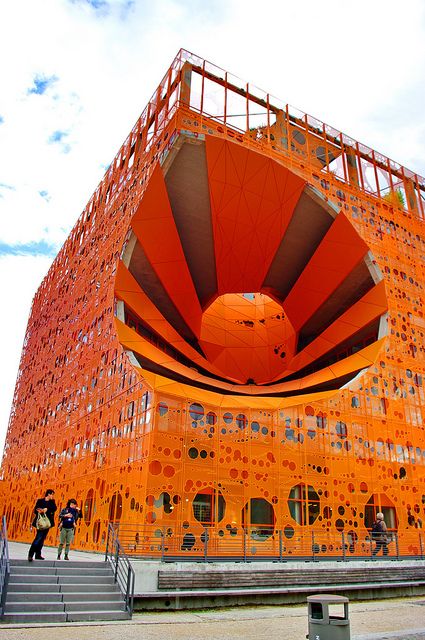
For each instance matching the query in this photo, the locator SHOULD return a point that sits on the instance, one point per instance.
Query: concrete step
(85, 579)
(34, 563)
(61, 570)
(107, 605)
(53, 579)
(62, 591)
(88, 616)
(79, 571)
(21, 587)
(44, 579)
(59, 607)
(25, 618)
(88, 588)
(14, 587)
(33, 596)
(35, 607)
(76, 564)
(110, 596)
(77, 596)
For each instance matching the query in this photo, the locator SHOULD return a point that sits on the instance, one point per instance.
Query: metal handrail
(4, 565)
(250, 543)
(123, 571)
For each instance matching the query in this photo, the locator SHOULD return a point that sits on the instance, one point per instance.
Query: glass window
(304, 504)
(209, 507)
(379, 502)
(88, 506)
(115, 507)
(258, 514)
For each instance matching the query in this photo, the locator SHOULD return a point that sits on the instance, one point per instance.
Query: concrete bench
(286, 578)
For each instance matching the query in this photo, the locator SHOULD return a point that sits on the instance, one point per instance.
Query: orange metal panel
(128, 290)
(172, 388)
(246, 332)
(340, 250)
(252, 200)
(372, 305)
(155, 228)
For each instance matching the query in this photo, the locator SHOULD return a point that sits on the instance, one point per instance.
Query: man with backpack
(379, 535)
(68, 518)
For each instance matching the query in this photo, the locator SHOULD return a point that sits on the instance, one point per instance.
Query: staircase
(59, 591)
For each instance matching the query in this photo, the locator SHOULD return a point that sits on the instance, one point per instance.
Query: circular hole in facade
(188, 542)
(162, 408)
(196, 411)
(211, 418)
(289, 531)
(298, 136)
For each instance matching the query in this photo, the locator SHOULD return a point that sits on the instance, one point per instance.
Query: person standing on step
(68, 519)
(46, 505)
(379, 535)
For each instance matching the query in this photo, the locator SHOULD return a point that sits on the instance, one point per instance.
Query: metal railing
(249, 544)
(4, 564)
(123, 571)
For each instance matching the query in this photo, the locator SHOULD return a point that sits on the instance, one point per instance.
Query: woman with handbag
(44, 519)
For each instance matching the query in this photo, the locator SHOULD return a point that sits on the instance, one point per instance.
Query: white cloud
(20, 277)
(359, 67)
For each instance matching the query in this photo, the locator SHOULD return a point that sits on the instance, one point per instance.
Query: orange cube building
(228, 350)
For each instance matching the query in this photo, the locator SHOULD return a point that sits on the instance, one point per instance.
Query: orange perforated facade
(228, 349)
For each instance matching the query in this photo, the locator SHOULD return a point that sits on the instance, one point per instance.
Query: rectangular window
(202, 508)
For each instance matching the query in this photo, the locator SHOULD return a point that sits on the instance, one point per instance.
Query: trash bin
(328, 617)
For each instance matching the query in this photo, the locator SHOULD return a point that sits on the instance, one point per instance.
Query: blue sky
(38, 248)
(41, 83)
(76, 74)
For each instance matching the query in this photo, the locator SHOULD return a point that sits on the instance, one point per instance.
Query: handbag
(42, 522)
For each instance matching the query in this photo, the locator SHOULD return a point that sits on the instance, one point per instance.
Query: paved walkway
(394, 619)
(19, 551)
